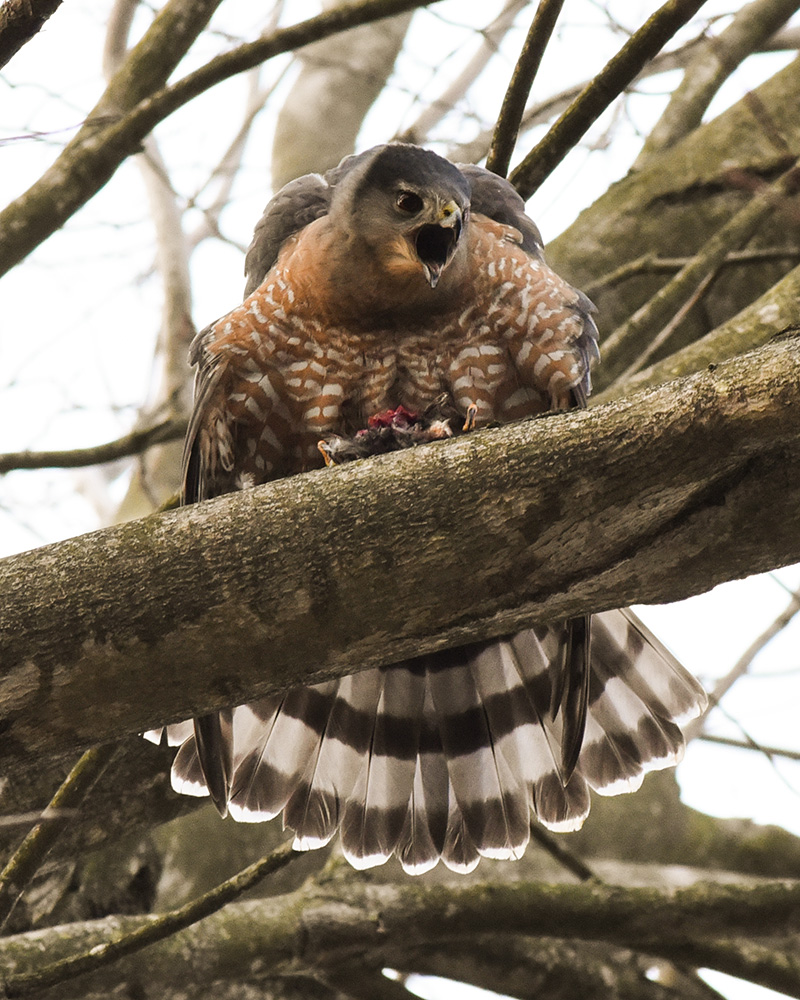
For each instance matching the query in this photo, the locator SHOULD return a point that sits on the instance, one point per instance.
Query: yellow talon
(469, 420)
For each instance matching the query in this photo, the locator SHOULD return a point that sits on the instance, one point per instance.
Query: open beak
(436, 242)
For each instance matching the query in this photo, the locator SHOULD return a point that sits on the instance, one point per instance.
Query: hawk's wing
(292, 209)
(295, 206)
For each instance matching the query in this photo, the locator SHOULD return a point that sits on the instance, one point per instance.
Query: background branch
(516, 96)
(713, 63)
(130, 444)
(318, 928)
(92, 157)
(609, 83)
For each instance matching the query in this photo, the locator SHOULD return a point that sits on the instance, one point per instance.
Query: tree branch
(609, 83)
(715, 61)
(28, 858)
(516, 96)
(20, 20)
(149, 929)
(770, 316)
(324, 927)
(90, 160)
(645, 322)
(130, 444)
(320, 575)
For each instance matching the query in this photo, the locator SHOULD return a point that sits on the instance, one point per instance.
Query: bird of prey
(402, 298)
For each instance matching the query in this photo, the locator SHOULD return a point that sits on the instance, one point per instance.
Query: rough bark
(322, 574)
(352, 925)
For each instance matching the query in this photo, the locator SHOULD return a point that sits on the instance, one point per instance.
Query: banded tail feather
(447, 756)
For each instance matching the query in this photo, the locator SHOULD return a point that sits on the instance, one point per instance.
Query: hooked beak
(436, 242)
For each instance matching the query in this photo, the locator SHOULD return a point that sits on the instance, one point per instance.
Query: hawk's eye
(409, 202)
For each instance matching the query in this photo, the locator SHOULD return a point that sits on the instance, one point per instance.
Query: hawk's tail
(446, 756)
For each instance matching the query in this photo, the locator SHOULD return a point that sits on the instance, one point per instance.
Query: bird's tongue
(435, 245)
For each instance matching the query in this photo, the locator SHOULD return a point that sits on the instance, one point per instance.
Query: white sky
(78, 320)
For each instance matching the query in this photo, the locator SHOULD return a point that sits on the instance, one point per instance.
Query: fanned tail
(445, 757)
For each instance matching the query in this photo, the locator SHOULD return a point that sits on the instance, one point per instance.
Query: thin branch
(751, 745)
(227, 168)
(772, 315)
(28, 857)
(516, 96)
(653, 264)
(568, 859)
(543, 111)
(492, 36)
(609, 83)
(664, 335)
(130, 444)
(743, 664)
(660, 309)
(20, 20)
(151, 929)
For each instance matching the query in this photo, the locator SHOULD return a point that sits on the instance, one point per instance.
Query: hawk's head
(410, 206)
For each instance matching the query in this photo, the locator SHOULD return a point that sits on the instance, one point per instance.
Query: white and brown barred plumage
(397, 284)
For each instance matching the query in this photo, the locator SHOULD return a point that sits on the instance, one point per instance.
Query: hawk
(398, 299)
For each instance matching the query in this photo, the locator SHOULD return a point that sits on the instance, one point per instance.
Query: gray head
(407, 204)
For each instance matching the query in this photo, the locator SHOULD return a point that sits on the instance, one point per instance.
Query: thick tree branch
(20, 20)
(334, 571)
(321, 928)
(90, 160)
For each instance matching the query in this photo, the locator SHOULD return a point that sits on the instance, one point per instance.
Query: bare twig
(152, 929)
(28, 857)
(653, 264)
(609, 83)
(663, 336)
(743, 664)
(492, 36)
(130, 444)
(568, 859)
(543, 111)
(751, 745)
(516, 96)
